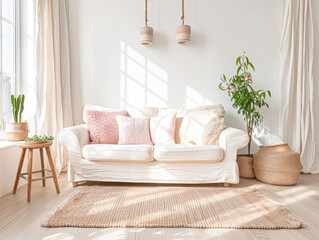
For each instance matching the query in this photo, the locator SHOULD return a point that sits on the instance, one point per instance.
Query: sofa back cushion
(102, 126)
(142, 112)
(136, 112)
(163, 129)
(133, 130)
(203, 125)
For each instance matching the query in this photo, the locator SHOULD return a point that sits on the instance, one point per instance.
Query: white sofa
(177, 163)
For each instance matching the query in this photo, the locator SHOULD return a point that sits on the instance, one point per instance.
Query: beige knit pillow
(203, 126)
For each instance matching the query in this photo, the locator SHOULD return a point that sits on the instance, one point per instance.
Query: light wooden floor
(21, 220)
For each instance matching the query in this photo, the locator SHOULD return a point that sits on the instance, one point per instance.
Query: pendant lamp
(183, 32)
(146, 33)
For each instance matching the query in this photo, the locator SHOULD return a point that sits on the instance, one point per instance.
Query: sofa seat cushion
(115, 152)
(188, 153)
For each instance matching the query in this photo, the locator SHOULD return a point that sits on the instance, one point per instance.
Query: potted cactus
(18, 130)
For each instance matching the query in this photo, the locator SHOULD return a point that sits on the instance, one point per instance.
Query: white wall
(9, 159)
(109, 67)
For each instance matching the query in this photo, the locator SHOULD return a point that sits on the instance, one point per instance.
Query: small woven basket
(146, 35)
(183, 34)
(277, 165)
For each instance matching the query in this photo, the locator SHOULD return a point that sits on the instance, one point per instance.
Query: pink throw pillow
(103, 126)
(133, 130)
(163, 129)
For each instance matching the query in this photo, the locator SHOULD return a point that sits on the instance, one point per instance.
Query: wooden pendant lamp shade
(146, 33)
(183, 32)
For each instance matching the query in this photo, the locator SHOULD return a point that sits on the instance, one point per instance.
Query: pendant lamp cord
(146, 13)
(182, 17)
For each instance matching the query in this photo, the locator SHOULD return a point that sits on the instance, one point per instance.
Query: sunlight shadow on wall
(143, 83)
(194, 98)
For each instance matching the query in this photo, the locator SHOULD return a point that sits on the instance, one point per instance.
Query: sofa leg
(226, 184)
(74, 184)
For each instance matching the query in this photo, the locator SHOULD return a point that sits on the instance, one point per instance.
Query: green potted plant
(39, 139)
(18, 130)
(248, 103)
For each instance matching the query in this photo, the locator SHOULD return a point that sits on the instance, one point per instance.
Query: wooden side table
(30, 146)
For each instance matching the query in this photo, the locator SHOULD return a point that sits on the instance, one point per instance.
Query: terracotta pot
(245, 165)
(277, 165)
(16, 131)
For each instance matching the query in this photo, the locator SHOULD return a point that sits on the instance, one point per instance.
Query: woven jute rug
(149, 207)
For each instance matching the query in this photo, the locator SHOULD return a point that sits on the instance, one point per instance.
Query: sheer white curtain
(296, 76)
(53, 94)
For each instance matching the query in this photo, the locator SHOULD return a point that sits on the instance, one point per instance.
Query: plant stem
(249, 145)
(244, 67)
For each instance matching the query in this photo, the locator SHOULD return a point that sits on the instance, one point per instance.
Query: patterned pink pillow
(134, 130)
(103, 126)
(163, 129)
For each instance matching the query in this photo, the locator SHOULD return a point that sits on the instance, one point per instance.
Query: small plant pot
(245, 165)
(146, 36)
(183, 34)
(16, 131)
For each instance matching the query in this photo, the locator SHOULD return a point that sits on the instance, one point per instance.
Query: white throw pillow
(178, 121)
(203, 126)
(133, 130)
(163, 129)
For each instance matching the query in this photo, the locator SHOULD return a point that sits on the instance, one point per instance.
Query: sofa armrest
(233, 138)
(74, 138)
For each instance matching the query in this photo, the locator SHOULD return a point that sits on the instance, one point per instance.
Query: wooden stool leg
(226, 184)
(19, 171)
(42, 166)
(30, 173)
(52, 169)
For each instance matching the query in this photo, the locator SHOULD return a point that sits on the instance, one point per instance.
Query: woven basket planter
(146, 36)
(183, 34)
(277, 165)
(245, 165)
(16, 131)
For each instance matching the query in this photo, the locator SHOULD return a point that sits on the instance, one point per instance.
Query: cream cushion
(114, 152)
(202, 126)
(188, 153)
(136, 112)
(181, 112)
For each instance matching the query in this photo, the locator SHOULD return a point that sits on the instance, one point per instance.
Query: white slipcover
(115, 152)
(79, 169)
(188, 153)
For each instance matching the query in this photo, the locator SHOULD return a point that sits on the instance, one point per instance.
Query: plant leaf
(251, 65)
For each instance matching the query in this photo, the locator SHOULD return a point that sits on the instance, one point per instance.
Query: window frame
(15, 76)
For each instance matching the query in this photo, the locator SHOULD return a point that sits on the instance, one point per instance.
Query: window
(8, 59)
